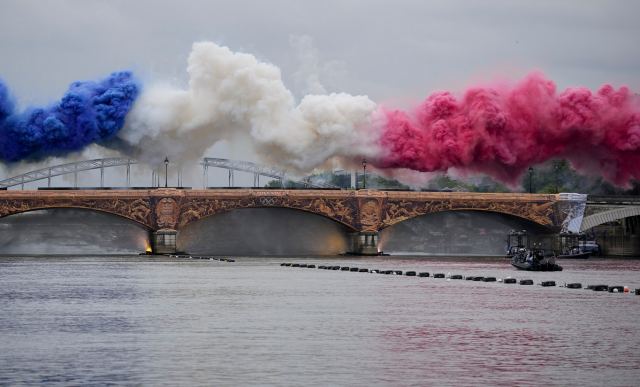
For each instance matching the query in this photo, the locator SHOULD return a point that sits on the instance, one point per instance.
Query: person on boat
(530, 257)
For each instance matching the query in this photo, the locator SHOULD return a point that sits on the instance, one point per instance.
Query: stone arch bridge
(605, 209)
(165, 211)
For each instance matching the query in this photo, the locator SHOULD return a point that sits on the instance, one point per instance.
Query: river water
(160, 321)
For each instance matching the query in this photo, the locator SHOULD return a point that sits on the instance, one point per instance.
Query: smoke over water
(497, 130)
(89, 112)
(500, 131)
(235, 96)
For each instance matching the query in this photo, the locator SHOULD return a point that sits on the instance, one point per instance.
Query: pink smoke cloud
(502, 130)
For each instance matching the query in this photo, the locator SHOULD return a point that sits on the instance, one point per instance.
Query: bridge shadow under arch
(265, 231)
(71, 231)
(455, 233)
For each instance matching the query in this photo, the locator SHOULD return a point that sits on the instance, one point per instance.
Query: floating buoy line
(448, 276)
(202, 257)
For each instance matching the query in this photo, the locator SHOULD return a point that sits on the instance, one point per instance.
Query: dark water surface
(131, 320)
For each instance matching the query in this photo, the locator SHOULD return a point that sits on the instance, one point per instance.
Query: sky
(395, 52)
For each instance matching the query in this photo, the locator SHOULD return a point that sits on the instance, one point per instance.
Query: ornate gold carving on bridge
(360, 210)
(167, 213)
(137, 209)
(339, 209)
(370, 210)
(541, 213)
(396, 211)
(193, 209)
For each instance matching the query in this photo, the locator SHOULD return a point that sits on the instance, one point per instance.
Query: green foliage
(552, 177)
(379, 182)
(273, 184)
(558, 176)
(340, 180)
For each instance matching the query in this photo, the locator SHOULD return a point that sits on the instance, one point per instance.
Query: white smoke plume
(234, 96)
(307, 77)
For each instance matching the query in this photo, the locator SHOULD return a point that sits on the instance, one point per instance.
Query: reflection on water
(149, 321)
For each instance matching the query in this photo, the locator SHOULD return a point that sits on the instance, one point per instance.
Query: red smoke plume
(501, 131)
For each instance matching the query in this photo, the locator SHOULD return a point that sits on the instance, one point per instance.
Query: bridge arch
(541, 210)
(537, 222)
(264, 231)
(340, 211)
(133, 219)
(594, 220)
(542, 223)
(71, 231)
(133, 208)
(457, 232)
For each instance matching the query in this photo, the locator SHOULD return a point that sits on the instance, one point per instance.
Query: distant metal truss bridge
(69, 168)
(257, 171)
(101, 164)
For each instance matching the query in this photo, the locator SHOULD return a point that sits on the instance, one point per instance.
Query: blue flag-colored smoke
(89, 112)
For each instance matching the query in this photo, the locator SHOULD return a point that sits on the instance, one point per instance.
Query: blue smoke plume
(89, 112)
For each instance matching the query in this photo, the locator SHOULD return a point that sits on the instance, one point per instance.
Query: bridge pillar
(364, 243)
(163, 241)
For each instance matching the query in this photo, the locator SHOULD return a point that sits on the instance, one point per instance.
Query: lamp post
(166, 170)
(556, 175)
(364, 173)
(530, 180)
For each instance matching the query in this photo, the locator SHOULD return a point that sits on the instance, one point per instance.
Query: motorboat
(575, 253)
(573, 246)
(534, 260)
(525, 257)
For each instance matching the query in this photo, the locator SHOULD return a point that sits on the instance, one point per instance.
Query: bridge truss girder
(68, 168)
(256, 169)
(86, 165)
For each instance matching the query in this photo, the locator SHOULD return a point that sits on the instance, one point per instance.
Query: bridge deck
(360, 210)
(409, 195)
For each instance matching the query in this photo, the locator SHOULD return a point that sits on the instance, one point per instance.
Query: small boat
(525, 258)
(534, 260)
(575, 253)
(573, 246)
